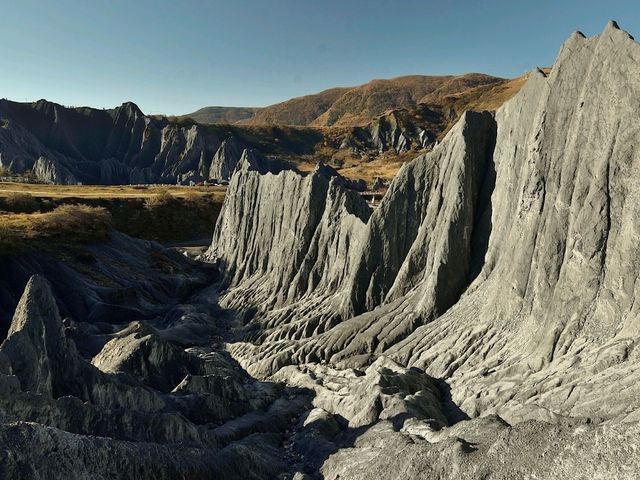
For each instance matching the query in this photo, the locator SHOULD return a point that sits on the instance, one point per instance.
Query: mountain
(352, 106)
(357, 106)
(222, 114)
(297, 111)
(123, 145)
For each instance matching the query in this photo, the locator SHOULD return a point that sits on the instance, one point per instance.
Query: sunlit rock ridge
(503, 262)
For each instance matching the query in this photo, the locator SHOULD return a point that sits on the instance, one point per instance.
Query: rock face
(346, 261)
(66, 146)
(145, 398)
(385, 119)
(224, 161)
(306, 257)
(502, 262)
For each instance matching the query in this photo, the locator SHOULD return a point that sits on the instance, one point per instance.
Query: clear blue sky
(176, 56)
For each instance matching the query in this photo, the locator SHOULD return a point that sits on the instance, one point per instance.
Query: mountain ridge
(123, 145)
(356, 106)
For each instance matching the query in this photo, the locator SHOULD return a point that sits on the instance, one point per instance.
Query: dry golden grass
(21, 202)
(162, 213)
(106, 192)
(160, 199)
(67, 224)
(488, 97)
(368, 171)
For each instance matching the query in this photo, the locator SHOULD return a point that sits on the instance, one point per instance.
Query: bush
(82, 221)
(21, 203)
(161, 199)
(64, 226)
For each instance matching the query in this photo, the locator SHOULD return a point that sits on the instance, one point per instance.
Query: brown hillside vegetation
(436, 112)
(162, 213)
(484, 97)
(451, 106)
(297, 111)
(359, 105)
(65, 225)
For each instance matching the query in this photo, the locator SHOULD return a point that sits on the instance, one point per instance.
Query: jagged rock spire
(35, 345)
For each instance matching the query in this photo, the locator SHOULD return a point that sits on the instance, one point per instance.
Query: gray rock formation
(416, 242)
(120, 146)
(299, 238)
(224, 162)
(502, 263)
(480, 323)
(61, 416)
(387, 133)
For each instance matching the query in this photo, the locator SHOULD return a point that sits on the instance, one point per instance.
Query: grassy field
(107, 192)
(54, 217)
(380, 167)
(65, 225)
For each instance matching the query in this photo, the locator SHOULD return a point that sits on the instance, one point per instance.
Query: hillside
(359, 105)
(222, 114)
(366, 132)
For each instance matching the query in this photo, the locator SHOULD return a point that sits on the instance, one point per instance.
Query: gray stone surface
(224, 162)
(502, 263)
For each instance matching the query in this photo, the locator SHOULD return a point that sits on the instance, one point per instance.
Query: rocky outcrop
(386, 133)
(61, 416)
(490, 448)
(398, 131)
(224, 162)
(422, 232)
(484, 265)
(52, 171)
(384, 391)
(35, 345)
(417, 244)
(120, 146)
(306, 257)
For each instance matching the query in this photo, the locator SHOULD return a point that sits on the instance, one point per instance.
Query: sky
(174, 57)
